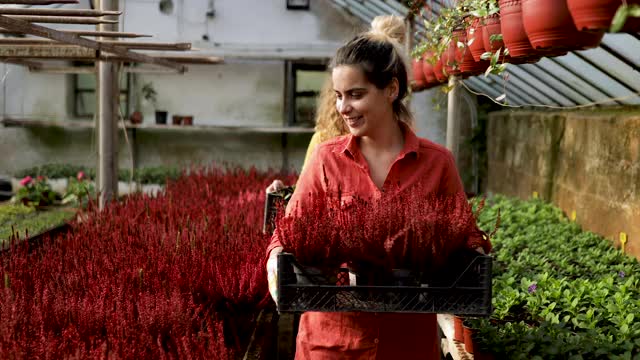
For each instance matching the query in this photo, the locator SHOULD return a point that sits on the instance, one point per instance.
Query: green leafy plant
(622, 14)
(150, 94)
(35, 192)
(79, 189)
(545, 306)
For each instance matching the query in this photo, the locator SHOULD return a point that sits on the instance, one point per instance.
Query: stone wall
(582, 161)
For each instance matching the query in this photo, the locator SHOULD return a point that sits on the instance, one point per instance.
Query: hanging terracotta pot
(596, 15)
(468, 339)
(458, 329)
(469, 66)
(452, 57)
(549, 25)
(474, 32)
(438, 70)
(418, 76)
(513, 34)
(492, 26)
(427, 68)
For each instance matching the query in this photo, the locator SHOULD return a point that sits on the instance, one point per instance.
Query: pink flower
(40, 178)
(80, 175)
(26, 181)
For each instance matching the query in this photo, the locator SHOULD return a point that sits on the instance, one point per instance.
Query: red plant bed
(596, 15)
(180, 275)
(410, 230)
(549, 25)
(475, 32)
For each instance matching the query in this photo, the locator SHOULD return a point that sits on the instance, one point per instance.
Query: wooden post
(108, 93)
(453, 117)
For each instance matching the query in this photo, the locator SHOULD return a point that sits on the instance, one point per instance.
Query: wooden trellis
(53, 44)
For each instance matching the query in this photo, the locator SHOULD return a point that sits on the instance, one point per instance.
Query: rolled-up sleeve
(309, 185)
(451, 184)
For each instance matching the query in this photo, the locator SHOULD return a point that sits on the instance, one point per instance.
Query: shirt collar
(411, 144)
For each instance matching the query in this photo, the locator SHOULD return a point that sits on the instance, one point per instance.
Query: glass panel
(310, 80)
(86, 82)
(305, 111)
(85, 104)
(123, 81)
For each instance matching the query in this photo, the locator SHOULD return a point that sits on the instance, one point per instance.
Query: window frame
(77, 90)
(292, 94)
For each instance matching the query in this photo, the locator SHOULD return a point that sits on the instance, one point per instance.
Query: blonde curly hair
(329, 123)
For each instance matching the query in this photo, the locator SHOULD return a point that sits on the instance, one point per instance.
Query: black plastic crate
(463, 288)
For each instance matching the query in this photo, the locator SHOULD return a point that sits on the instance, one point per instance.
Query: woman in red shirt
(380, 154)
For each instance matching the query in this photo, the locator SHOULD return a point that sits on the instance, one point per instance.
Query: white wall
(429, 108)
(254, 37)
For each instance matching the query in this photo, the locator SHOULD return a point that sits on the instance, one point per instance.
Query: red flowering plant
(411, 229)
(35, 192)
(177, 275)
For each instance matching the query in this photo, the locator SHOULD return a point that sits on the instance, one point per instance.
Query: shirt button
(376, 341)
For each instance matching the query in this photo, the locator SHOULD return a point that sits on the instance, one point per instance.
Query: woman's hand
(272, 272)
(480, 250)
(275, 186)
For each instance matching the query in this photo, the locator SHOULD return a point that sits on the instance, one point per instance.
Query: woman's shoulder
(333, 144)
(433, 149)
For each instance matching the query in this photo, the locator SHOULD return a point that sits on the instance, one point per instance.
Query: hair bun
(389, 27)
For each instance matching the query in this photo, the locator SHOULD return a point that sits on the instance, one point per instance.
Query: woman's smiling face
(362, 105)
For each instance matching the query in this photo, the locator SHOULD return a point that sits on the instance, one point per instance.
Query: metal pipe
(108, 94)
(453, 117)
(57, 12)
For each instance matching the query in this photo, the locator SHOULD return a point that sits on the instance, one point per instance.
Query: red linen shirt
(372, 335)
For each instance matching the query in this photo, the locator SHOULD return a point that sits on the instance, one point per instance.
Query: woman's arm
(309, 185)
(451, 184)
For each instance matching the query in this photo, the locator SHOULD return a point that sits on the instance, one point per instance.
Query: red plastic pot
(438, 70)
(492, 26)
(427, 68)
(458, 333)
(469, 66)
(418, 76)
(549, 25)
(452, 57)
(474, 31)
(513, 34)
(468, 339)
(596, 15)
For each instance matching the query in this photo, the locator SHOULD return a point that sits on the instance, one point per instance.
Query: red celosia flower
(179, 275)
(80, 175)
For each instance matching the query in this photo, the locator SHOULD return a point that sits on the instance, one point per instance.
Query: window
(304, 83)
(298, 4)
(84, 89)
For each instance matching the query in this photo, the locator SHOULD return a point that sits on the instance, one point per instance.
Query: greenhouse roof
(606, 75)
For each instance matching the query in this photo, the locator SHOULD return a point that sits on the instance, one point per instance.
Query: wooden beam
(41, 31)
(32, 65)
(113, 34)
(127, 45)
(92, 70)
(67, 52)
(58, 12)
(61, 20)
(37, 2)
(181, 59)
